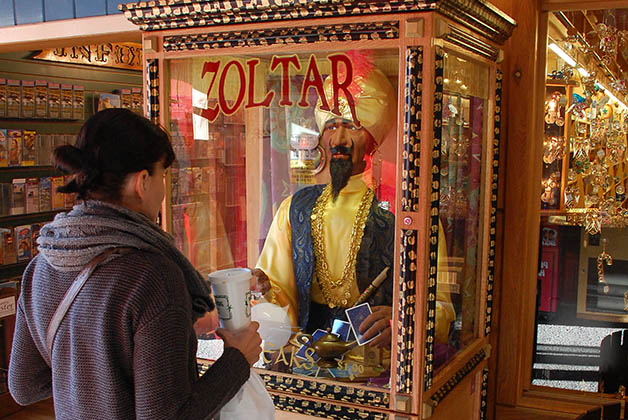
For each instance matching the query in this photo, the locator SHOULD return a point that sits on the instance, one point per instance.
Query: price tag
(7, 306)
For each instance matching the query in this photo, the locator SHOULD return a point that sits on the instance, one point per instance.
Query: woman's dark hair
(111, 144)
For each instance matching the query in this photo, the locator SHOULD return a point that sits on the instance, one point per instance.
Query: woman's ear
(141, 183)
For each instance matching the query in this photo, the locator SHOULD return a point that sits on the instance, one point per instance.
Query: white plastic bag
(251, 402)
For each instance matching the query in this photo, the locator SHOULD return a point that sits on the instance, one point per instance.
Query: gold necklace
(326, 283)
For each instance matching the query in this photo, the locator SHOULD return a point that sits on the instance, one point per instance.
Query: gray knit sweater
(125, 350)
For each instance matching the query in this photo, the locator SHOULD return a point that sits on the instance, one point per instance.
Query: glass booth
(254, 97)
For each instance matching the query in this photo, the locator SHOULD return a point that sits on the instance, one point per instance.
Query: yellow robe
(276, 257)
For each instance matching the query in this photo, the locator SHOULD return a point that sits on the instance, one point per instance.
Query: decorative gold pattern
(337, 392)
(283, 36)
(434, 212)
(409, 203)
(442, 392)
(325, 409)
(492, 236)
(478, 16)
(484, 394)
(152, 82)
(321, 269)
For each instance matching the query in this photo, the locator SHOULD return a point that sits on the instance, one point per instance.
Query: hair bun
(68, 158)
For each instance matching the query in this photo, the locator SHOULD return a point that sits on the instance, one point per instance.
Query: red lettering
(313, 79)
(285, 75)
(337, 86)
(251, 102)
(221, 88)
(210, 67)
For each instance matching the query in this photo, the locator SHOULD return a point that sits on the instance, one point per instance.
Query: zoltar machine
(348, 151)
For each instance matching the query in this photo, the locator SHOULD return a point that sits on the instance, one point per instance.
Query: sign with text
(7, 306)
(126, 55)
(237, 83)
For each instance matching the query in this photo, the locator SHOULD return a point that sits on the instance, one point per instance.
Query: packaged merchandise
(41, 99)
(126, 99)
(3, 97)
(136, 101)
(9, 254)
(44, 149)
(29, 151)
(67, 102)
(28, 99)
(54, 100)
(108, 100)
(45, 193)
(14, 138)
(14, 98)
(23, 242)
(4, 148)
(35, 228)
(68, 199)
(57, 197)
(32, 195)
(18, 196)
(78, 102)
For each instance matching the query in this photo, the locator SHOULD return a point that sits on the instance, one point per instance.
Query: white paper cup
(232, 294)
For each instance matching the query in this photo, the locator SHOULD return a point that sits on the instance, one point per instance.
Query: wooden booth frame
(421, 31)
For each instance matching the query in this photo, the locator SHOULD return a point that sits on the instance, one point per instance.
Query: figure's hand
(260, 282)
(378, 321)
(246, 340)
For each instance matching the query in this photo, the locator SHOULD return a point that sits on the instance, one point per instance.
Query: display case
(241, 86)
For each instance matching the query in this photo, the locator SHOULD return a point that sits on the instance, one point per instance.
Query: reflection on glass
(465, 94)
(582, 305)
(256, 140)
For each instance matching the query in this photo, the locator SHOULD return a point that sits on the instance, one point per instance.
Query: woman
(126, 349)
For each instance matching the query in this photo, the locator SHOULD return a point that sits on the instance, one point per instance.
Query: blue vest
(376, 250)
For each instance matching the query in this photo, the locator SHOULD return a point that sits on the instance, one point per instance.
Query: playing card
(342, 329)
(301, 352)
(356, 315)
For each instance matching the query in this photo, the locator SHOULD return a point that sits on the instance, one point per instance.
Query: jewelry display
(602, 259)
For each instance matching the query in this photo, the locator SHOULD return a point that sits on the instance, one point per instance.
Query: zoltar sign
(237, 83)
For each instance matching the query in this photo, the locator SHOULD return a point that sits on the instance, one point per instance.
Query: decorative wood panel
(170, 14)
(283, 36)
(325, 410)
(152, 89)
(492, 236)
(337, 392)
(434, 214)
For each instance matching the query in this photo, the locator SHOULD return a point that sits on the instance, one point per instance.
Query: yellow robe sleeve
(445, 312)
(276, 261)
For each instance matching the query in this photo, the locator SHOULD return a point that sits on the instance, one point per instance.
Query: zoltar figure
(327, 243)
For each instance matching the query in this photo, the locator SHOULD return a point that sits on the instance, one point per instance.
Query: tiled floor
(44, 411)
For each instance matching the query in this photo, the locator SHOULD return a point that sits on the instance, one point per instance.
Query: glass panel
(247, 132)
(463, 161)
(582, 304)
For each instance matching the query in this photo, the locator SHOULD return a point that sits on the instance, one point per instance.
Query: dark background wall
(18, 12)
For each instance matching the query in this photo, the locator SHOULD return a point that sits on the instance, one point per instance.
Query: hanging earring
(601, 259)
(376, 168)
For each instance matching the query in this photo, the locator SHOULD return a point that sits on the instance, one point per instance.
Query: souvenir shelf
(238, 87)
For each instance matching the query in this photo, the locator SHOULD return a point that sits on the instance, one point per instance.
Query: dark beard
(340, 170)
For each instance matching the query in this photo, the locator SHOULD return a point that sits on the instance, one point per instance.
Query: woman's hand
(246, 340)
(378, 321)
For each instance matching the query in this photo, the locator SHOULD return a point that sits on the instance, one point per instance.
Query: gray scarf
(71, 241)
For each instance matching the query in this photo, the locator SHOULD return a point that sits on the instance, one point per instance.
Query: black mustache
(342, 150)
